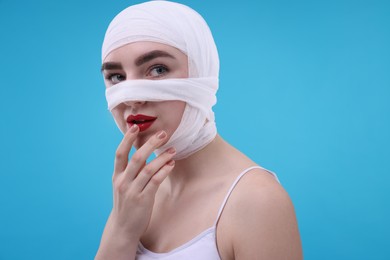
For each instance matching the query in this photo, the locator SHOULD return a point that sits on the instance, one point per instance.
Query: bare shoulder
(260, 193)
(259, 188)
(262, 219)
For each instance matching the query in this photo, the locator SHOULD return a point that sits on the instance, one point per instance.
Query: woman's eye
(158, 71)
(115, 78)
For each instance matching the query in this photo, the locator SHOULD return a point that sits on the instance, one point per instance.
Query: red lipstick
(143, 121)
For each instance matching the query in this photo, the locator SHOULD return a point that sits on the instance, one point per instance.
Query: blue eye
(158, 71)
(115, 78)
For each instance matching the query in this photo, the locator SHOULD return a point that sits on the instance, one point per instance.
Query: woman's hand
(135, 184)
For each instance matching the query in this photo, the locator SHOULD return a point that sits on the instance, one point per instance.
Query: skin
(164, 204)
(129, 58)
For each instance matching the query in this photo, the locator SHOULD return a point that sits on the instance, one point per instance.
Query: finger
(123, 150)
(152, 168)
(137, 161)
(153, 184)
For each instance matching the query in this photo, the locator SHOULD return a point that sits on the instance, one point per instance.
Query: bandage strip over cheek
(198, 92)
(197, 127)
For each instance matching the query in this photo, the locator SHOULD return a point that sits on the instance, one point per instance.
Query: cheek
(178, 107)
(117, 113)
(184, 72)
(171, 113)
(179, 70)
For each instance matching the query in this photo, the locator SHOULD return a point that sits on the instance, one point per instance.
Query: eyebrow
(111, 66)
(139, 61)
(152, 55)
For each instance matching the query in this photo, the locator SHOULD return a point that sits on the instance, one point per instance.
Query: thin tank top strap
(234, 185)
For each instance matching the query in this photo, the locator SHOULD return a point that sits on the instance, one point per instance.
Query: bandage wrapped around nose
(183, 28)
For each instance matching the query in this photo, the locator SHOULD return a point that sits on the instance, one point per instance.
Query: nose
(134, 103)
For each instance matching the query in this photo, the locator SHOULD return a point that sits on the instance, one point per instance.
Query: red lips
(143, 121)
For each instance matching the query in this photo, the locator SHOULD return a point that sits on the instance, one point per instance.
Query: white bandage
(183, 28)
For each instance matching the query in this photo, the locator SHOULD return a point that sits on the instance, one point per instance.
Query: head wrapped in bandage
(183, 28)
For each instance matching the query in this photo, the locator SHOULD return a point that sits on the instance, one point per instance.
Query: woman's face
(146, 60)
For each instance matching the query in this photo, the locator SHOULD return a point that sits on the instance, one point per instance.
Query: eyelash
(158, 66)
(110, 75)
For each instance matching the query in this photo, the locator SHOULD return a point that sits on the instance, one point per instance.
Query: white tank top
(203, 246)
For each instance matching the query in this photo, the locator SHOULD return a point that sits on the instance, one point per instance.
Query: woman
(200, 198)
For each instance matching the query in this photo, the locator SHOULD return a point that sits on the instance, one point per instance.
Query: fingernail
(171, 150)
(134, 128)
(171, 163)
(161, 135)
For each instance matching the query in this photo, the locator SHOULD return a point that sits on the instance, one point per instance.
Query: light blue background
(305, 92)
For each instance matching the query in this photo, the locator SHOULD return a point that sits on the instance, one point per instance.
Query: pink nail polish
(171, 150)
(161, 135)
(133, 128)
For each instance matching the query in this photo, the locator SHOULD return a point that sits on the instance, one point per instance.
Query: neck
(200, 166)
